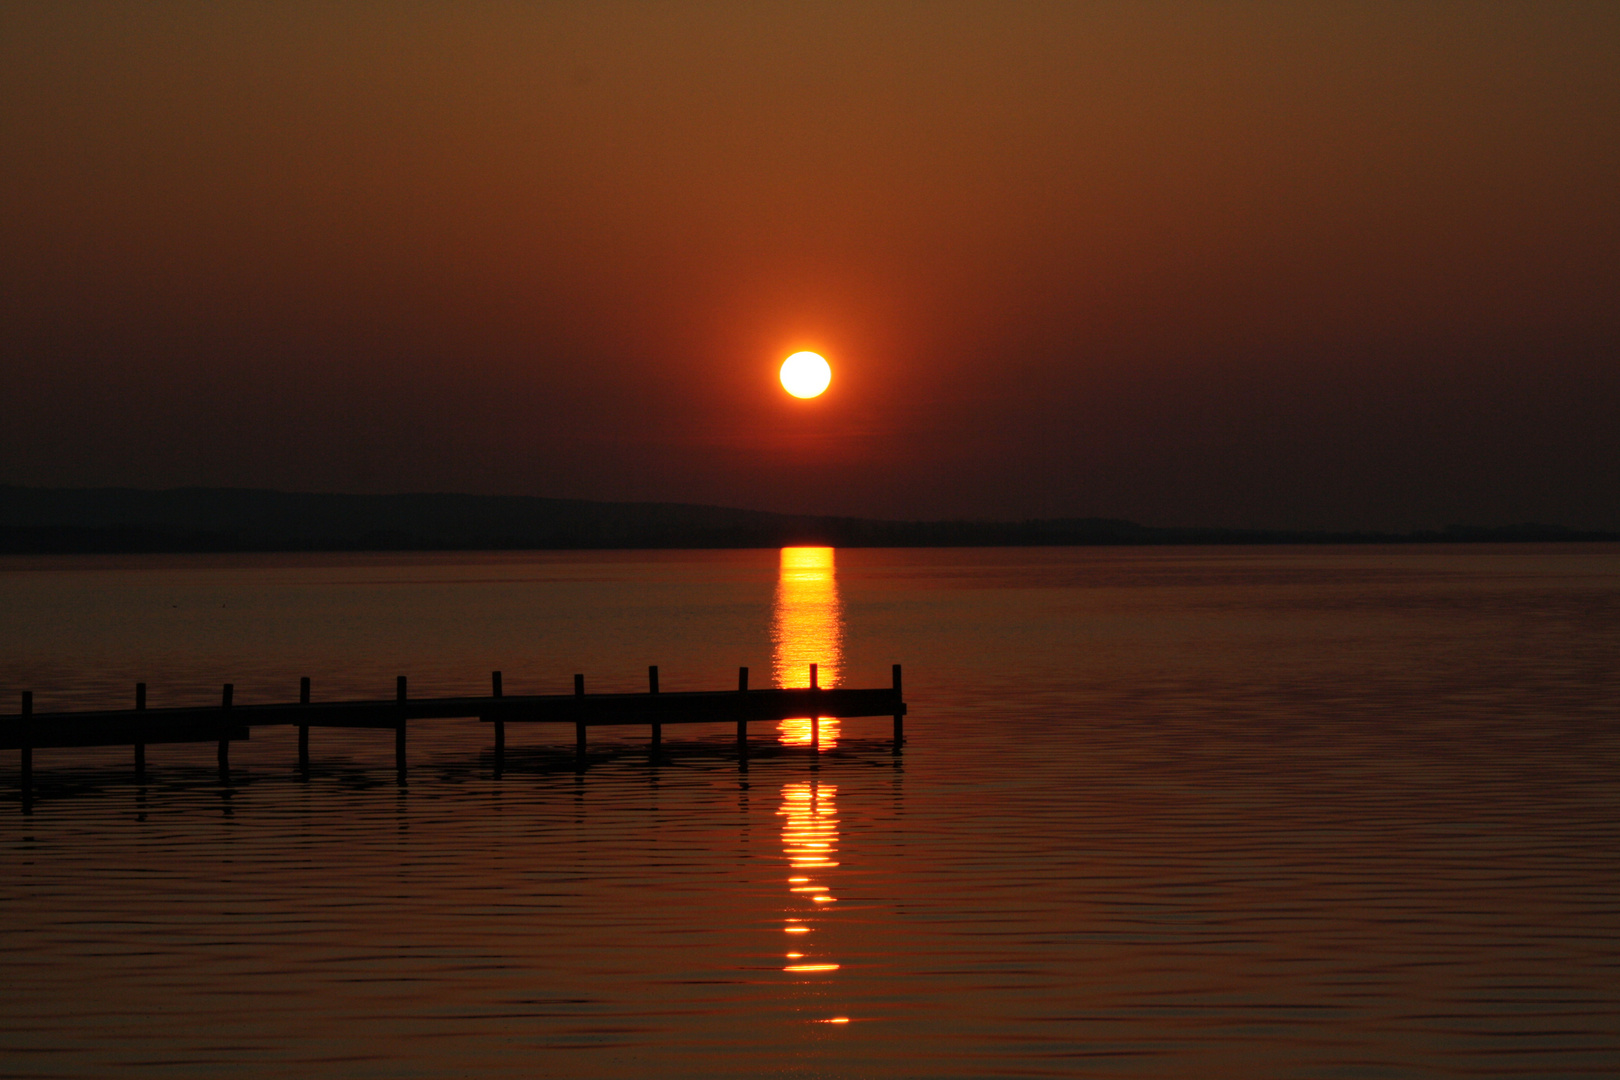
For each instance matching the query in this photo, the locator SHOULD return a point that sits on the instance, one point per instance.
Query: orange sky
(1248, 264)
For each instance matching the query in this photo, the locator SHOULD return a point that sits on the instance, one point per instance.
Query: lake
(1163, 812)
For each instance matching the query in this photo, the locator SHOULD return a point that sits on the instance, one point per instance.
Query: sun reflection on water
(810, 842)
(807, 627)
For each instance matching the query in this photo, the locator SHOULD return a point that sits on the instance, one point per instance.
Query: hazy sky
(1338, 265)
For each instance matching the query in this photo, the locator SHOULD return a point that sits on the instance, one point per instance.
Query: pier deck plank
(124, 727)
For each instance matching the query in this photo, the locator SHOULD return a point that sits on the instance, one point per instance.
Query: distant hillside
(53, 520)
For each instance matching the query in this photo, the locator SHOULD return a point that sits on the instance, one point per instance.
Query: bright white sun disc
(805, 374)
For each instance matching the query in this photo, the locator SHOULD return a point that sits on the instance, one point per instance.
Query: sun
(805, 374)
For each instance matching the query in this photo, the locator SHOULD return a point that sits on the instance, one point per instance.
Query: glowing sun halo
(805, 374)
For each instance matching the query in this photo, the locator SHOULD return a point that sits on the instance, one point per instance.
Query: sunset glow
(1223, 465)
(805, 374)
(1057, 254)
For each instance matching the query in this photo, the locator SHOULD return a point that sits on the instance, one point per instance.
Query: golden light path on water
(807, 627)
(810, 842)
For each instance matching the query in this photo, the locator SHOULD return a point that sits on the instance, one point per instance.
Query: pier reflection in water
(807, 627)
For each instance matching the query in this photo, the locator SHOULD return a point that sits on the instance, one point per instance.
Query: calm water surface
(1164, 813)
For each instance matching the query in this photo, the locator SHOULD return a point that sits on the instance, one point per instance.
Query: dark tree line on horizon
(123, 520)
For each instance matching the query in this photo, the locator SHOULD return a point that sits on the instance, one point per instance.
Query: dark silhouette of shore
(128, 520)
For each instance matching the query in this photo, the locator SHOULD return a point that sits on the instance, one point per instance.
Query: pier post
(500, 725)
(742, 723)
(899, 718)
(26, 754)
(657, 728)
(399, 727)
(140, 732)
(303, 729)
(815, 721)
(225, 731)
(579, 722)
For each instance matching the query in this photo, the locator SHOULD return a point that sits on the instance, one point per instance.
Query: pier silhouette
(27, 730)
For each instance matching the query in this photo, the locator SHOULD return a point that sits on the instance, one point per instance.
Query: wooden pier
(228, 722)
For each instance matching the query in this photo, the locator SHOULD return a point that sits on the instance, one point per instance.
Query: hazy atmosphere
(891, 541)
(1279, 266)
